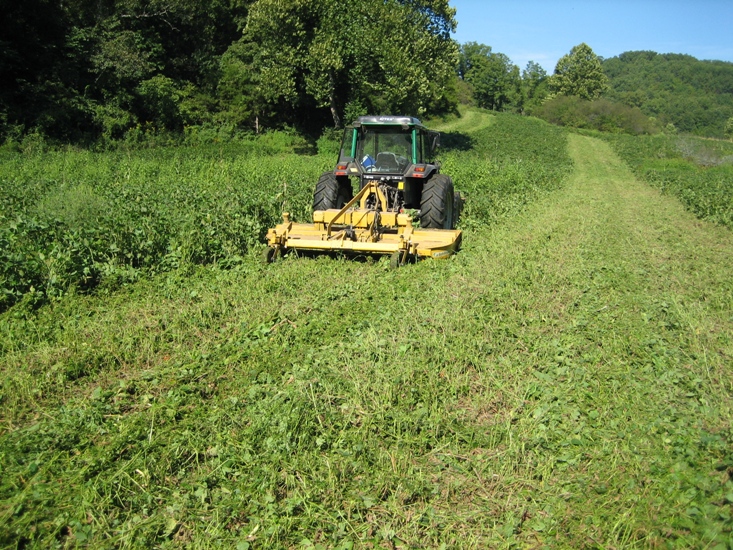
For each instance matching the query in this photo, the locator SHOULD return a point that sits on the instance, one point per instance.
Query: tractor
(404, 206)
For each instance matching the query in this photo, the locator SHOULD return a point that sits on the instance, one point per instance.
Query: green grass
(561, 382)
(699, 172)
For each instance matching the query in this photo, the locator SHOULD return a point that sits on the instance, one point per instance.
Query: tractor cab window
(385, 150)
(346, 153)
(429, 141)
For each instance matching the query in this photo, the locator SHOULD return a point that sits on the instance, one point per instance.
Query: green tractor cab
(396, 153)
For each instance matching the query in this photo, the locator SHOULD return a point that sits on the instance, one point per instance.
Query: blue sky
(544, 31)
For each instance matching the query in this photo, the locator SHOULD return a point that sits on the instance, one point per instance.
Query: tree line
(91, 71)
(635, 92)
(105, 69)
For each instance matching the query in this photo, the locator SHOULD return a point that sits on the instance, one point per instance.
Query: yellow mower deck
(361, 230)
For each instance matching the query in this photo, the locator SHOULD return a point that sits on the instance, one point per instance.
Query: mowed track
(471, 120)
(604, 315)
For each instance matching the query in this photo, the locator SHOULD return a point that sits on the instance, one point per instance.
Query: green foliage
(491, 81)
(729, 128)
(114, 120)
(599, 114)
(695, 96)
(465, 93)
(31, 60)
(329, 144)
(387, 57)
(80, 219)
(509, 164)
(125, 55)
(535, 86)
(580, 74)
(699, 172)
(494, 80)
(84, 71)
(161, 98)
(240, 87)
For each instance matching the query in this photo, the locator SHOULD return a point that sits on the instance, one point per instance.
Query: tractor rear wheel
(270, 254)
(437, 206)
(331, 192)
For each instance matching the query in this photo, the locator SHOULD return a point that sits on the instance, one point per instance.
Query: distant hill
(696, 96)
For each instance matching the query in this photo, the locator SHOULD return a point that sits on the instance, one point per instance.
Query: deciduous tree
(494, 78)
(580, 74)
(326, 54)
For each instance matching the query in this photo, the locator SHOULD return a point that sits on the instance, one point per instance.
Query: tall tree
(534, 86)
(495, 79)
(324, 55)
(472, 57)
(580, 74)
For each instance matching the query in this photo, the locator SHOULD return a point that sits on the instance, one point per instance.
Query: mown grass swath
(697, 171)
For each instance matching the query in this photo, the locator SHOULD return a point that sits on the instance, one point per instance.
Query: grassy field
(699, 172)
(564, 381)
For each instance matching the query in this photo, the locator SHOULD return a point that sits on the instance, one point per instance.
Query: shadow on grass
(455, 141)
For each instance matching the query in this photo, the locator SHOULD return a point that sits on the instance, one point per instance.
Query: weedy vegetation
(563, 381)
(83, 219)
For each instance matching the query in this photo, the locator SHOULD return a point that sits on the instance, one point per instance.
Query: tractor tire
(437, 206)
(331, 192)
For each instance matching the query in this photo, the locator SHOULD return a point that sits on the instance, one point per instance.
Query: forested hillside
(136, 71)
(695, 96)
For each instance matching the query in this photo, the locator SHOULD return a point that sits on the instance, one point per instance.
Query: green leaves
(389, 57)
(122, 217)
(495, 80)
(512, 162)
(579, 74)
(683, 92)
